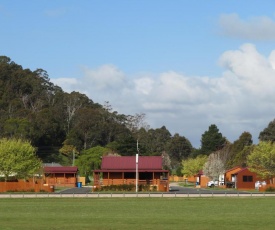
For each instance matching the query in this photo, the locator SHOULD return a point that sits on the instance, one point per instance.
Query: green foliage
(270, 189)
(212, 140)
(114, 188)
(241, 157)
(90, 159)
(68, 150)
(192, 166)
(153, 141)
(17, 128)
(239, 151)
(126, 188)
(85, 126)
(17, 157)
(268, 134)
(179, 148)
(179, 170)
(125, 147)
(262, 159)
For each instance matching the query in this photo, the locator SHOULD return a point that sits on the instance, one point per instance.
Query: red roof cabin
(117, 170)
(60, 175)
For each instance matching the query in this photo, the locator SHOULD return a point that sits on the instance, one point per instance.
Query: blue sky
(185, 64)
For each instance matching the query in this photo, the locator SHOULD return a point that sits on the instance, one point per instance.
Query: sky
(185, 64)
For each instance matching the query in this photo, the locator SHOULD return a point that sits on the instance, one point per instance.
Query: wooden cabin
(117, 170)
(245, 179)
(60, 176)
(242, 178)
(229, 176)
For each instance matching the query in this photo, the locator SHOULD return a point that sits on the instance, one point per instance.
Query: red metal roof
(129, 163)
(243, 169)
(129, 170)
(60, 169)
(232, 169)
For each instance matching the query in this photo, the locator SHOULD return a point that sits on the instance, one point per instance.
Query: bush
(126, 188)
(121, 187)
(270, 189)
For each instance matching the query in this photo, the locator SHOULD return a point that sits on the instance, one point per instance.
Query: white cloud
(67, 84)
(106, 77)
(144, 85)
(272, 59)
(241, 99)
(257, 28)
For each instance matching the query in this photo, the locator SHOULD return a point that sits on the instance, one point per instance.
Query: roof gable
(60, 169)
(232, 169)
(129, 163)
(241, 170)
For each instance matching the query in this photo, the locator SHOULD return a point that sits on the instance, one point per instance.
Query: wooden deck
(61, 181)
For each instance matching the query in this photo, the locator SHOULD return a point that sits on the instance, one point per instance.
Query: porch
(157, 180)
(61, 180)
(65, 176)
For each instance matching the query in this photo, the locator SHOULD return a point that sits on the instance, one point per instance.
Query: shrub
(270, 189)
(121, 187)
(126, 188)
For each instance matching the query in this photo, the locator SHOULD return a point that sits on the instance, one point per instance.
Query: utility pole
(73, 156)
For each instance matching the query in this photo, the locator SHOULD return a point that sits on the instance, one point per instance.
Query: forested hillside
(33, 108)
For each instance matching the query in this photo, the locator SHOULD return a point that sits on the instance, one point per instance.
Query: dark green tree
(86, 125)
(17, 128)
(268, 134)
(127, 146)
(238, 151)
(154, 141)
(212, 140)
(178, 148)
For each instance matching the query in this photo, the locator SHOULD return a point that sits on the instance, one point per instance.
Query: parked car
(212, 183)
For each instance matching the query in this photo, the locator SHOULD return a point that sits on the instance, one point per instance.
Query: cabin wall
(247, 179)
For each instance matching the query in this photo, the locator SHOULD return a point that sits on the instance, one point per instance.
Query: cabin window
(247, 178)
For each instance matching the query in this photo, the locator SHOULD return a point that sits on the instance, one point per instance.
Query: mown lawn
(137, 213)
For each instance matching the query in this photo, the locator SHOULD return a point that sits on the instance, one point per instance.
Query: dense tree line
(61, 125)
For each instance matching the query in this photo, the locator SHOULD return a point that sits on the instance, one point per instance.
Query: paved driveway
(174, 188)
(82, 190)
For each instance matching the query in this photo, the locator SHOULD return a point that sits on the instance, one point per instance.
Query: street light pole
(137, 168)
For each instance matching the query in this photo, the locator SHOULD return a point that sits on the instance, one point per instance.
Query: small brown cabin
(60, 175)
(245, 179)
(116, 170)
(230, 177)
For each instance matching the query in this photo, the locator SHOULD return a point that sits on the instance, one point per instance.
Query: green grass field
(137, 213)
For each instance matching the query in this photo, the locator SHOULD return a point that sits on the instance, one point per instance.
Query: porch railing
(162, 185)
